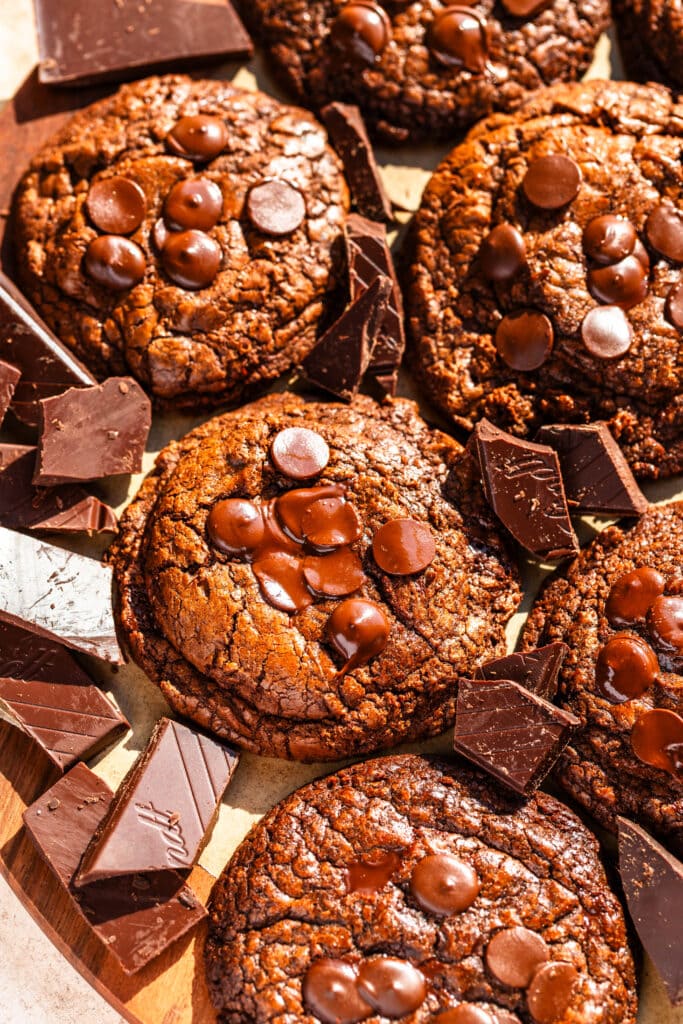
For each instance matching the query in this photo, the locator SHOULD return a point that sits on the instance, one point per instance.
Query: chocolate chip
(393, 987)
(632, 594)
(465, 1014)
(443, 884)
(502, 253)
(664, 230)
(116, 205)
(290, 506)
(514, 954)
(623, 284)
(280, 575)
(330, 993)
(665, 621)
(552, 181)
(674, 305)
(551, 991)
(160, 234)
(606, 332)
(358, 630)
(524, 339)
(657, 739)
(626, 667)
(459, 38)
(236, 526)
(299, 453)
(609, 239)
(199, 137)
(114, 262)
(335, 574)
(191, 259)
(360, 32)
(403, 546)
(330, 523)
(194, 203)
(275, 207)
(523, 8)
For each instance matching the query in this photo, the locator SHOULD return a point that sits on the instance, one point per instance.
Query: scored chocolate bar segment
(596, 476)
(57, 594)
(511, 733)
(653, 884)
(523, 485)
(9, 378)
(535, 670)
(69, 723)
(136, 918)
(161, 815)
(349, 137)
(89, 433)
(83, 41)
(24, 655)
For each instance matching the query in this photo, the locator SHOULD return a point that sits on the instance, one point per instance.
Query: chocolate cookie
(185, 232)
(651, 39)
(619, 608)
(309, 579)
(409, 889)
(423, 69)
(546, 284)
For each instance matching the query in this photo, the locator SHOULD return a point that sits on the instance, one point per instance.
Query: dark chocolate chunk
(58, 595)
(69, 723)
(536, 670)
(101, 40)
(88, 433)
(24, 655)
(596, 476)
(9, 378)
(349, 137)
(341, 357)
(162, 812)
(135, 922)
(511, 733)
(653, 885)
(369, 257)
(459, 38)
(523, 485)
(551, 182)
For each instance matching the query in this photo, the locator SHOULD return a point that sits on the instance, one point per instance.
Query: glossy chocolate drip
(657, 739)
(359, 630)
(443, 884)
(373, 873)
(360, 33)
(393, 987)
(626, 667)
(459, 38)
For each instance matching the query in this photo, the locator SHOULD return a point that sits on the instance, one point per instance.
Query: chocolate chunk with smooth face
(89, 433)
(24, 655)
(523, 484)
(349, 137)
(135, 918)
(97, 41)
(341, 357)
(69, 723)
(162, 813)
(535, 670)
(9, 378)
(596, 476)
(511, 733)
(58, 595)
(653, 884)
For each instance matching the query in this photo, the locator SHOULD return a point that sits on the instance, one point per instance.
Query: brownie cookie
(619, 608)
(547, 280)
(308, 579)
(423, 69)
(651, 39)
(414, 890)
(185, 232)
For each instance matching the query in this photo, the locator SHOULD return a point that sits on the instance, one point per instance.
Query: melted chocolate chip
(116, 205)
(360, 32)
(194, 203)
(664, 230)
(552, 181)
(657, 739)
(199, 137)
(330, 993)
(443, 884)
(632, 594)
(373, 873)
(275, 207)
(236, 526)
(606, 332)
(281, 578)
(609, 239)
(514, 954)
(291, 505)
(191, 259)
(160, 234)
(621, 284)
(465, 1014)
(459, 38)
(524, 339)
(550, 992)
(114, 262)
(330, 523)
(403, 546)
(523, 8)
(665, 620)
(674, 305)
(299, 453)
(502, 253)
(393, 987)
(358, 630)
(626, 667)
(334, 575)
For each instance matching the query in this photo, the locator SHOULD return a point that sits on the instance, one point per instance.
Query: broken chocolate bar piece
(24, 655)
(47, 367)
(523, 484)
(535, 670)
(341, 357)
(84, 41)
(69, 723)
(368, 257)
(509, 732)
(58, 595)
(346, 127)
(136, 918)
(160, 817)
(89, 433)
(9, 378)
(66, 509)
(653, 884)
(596, 476)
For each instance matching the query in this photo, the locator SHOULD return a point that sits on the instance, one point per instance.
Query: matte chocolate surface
(349, 137)
(9, 378)
(58, 595)
(100, 40)
(536, 671)
(89, 433)
(161, 814)
(136, 919)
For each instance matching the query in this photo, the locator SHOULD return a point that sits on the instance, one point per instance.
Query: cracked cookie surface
(197, 623)
(294, 895)
(258, 314)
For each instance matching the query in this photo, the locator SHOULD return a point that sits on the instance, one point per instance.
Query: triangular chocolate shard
(535, 670)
